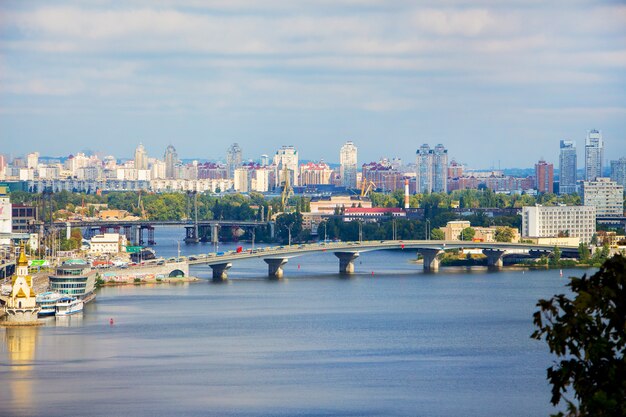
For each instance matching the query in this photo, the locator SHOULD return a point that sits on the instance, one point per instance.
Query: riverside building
(559, 221)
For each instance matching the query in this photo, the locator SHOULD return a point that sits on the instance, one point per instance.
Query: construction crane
(287, 189)
(367, 187)
(140, 206)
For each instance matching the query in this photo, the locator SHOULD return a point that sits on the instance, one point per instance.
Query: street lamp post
(360, 231)
(427, 229)
(289, 230)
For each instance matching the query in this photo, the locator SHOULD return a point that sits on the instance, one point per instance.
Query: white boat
(47, 301)
(68, 305)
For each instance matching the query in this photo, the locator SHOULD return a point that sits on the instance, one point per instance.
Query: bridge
(347, 252)
(135, 230)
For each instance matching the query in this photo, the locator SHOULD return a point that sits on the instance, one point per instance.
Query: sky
(498, 83)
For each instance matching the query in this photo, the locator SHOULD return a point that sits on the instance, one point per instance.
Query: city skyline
(484, 78)
(244, 157)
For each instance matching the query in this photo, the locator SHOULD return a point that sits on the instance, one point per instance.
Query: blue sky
(495, 82)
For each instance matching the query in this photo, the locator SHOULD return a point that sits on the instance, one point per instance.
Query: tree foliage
(588, 333)
(504, 234)
(437, 234)
(467, 234)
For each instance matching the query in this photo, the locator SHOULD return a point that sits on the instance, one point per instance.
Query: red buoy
(111, 321)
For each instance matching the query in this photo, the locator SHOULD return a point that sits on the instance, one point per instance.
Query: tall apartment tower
(440, 169)
(287, 157)
(424, 169)
(431, 169)
(171, 159)
(141, 157)
(594, 155)
(544, 177)
(567, 167)
(618, 171)
(233, 159)
(348, 162)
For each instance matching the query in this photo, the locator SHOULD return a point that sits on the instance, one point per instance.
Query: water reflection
(74, 320)
(20, 345)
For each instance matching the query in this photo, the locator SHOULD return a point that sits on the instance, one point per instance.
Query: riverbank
(151, 281)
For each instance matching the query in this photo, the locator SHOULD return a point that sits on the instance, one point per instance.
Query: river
(389, 341)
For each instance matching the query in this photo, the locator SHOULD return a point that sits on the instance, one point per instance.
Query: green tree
(504, 234)
(437, 234)
(588, 333)
(467, 234)
(555, 259)
(583, 253)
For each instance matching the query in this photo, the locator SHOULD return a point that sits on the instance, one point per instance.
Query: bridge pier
(275, 267)
(215, 233)
(346, 261)
(431, 259)
(220, 271)
(191, 234)
(494, 257)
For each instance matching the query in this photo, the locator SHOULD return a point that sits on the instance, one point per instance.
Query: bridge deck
(366, 246)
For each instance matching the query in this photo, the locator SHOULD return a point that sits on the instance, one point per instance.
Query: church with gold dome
(21, 306)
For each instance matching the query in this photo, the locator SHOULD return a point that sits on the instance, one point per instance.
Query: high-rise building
(315, 173)
(171, 159)
(431, 169)
(440, 169)
(32, 160)
(594, 155)
(544, 176)
(348, 164)
(618, 171)
(605, 195)
(265, 160)
(141, 157)
(567, 167)
(424, 169)
(233, 159)
(287, 157)
(455, 169)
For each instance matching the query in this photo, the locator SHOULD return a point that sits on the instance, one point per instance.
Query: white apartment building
(573, 221)
(6, 219)
(107, 243)
(605, 195)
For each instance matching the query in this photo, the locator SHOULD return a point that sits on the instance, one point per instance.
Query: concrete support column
(220, 271)
(431, 259)
(494, 257)
(215, 233)
(346, 261)
(275, 267)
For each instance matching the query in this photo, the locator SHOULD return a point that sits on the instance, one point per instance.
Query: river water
(397, 342)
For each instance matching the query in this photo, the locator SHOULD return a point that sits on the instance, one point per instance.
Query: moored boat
(47, 301)
(68, 305)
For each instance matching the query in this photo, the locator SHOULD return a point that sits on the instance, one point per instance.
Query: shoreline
(158, 281)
